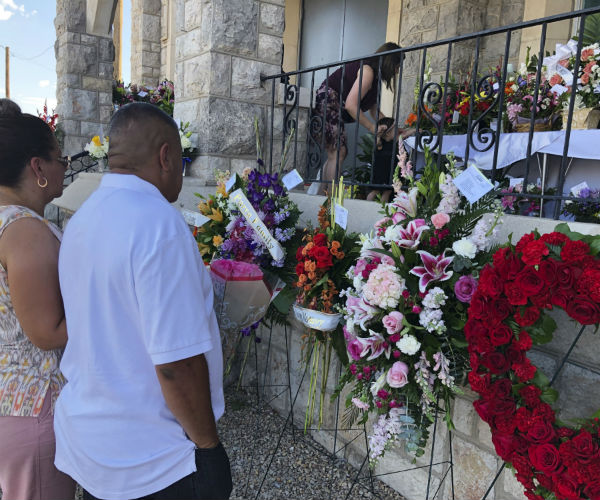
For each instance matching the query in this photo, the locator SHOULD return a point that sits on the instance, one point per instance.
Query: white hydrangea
(431, 320)
(464, 248)
(409, 345)
(435, 298)
(186, 143)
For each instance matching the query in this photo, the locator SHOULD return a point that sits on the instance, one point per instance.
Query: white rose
(464, 248)
(378, 384)
(408, 345)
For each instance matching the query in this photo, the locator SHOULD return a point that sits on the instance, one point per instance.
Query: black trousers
(211, 481)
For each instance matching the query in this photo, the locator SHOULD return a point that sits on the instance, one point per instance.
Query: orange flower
(302, 278)
(311, 275)
(310, 265)
(307, 288)
(307, 248)
(412, 118)
(335, 245)
(340, 255)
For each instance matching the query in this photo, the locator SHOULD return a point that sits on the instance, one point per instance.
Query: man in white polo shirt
(143, 361)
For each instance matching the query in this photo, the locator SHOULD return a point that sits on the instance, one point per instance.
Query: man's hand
(185, 385)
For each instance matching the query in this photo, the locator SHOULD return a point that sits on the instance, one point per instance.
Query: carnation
(409, 345)
(464, 248)
(384, 287)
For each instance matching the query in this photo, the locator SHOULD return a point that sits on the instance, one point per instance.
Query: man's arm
(185, 386)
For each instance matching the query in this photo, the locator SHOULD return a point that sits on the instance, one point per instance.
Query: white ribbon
(563, 51)
(248, 212)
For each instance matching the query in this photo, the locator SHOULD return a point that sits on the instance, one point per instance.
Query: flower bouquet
(513, 204)
(97, 149)
(163, 95)
(407, 307)
(587, 209)
(323, 260)
(560, 71)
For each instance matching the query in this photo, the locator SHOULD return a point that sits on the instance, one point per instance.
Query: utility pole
(7, 73)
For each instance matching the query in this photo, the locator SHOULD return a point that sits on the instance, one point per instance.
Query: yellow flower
(221, 190)
(217, 216)
(217, 240)
(204, 249)
(96, 140)
(203, 207)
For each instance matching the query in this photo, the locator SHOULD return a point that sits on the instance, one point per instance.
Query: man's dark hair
(138, 112)
(9, 108)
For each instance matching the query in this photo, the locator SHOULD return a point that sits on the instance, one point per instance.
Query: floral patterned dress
(26, 371)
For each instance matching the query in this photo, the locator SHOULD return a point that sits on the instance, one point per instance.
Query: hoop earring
(44, 184)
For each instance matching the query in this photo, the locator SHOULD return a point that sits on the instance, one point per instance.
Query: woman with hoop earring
(33, 331)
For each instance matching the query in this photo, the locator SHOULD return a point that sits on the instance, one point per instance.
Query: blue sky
(27, 27)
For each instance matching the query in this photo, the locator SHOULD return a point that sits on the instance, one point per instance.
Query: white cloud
(9, 7)
(10, 3)
(44, 83)
(34, 104)
(5, 15)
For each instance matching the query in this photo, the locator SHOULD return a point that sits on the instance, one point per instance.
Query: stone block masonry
(146, 42)
(84, 76)
(226, 47)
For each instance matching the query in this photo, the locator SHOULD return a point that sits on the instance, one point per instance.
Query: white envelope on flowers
(242, 295)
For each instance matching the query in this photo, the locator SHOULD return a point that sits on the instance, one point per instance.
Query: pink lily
(406, 203)
(376, 344)
(359, 310)
(410, 236)
(433, 269)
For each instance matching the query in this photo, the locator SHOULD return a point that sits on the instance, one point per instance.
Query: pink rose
(397, 376)
(440, 219)
(393, 322)
(382, 222)
(386, 259)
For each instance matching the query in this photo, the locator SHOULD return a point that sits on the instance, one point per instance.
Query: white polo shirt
(136, 295)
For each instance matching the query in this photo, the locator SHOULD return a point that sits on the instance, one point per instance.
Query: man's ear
(165, 161)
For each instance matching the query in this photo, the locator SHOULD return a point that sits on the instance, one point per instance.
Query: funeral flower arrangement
(323, 260)
(407, 307)
(163, 95)
(97, 149)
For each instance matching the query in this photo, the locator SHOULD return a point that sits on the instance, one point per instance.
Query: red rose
(540, 432)
(500, 334)
(589, 284)
(483, 410)
(567, 487)
(478, 307)
(544, 458)
(561, 297)
(547, 271)
(531, 395)
(574, 251)
(542, 299)
(528, 317)
(545, 481)
(514, 355)
(474, 361)
(322, 256)
(502, 406)
(554, 238)
(299, 255)
(584, 447)
(299, 268)
(592, 489)
(530, 281)
(524, 241)
(320, 239)
(481, 345)
(504, 444)
(522, 465)
(495, 362)
(524, 343)
(501, 388)
(475, 329)
(498, 310)
(567, 274)
(515, 294)
(544, 411)
(583, 310)
(534, 252)
(565, 432)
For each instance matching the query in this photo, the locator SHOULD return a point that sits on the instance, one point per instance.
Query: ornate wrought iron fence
(80, 162)
(483, 131)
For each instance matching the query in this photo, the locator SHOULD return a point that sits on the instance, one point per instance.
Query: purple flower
(253, 175)
(269, 206)
(264, 180)
(433, 269)
(465, 288)
(274, 178)
(585, 193)
(278, 189)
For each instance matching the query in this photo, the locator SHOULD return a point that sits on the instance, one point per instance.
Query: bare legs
(328, 173)
(385, 196)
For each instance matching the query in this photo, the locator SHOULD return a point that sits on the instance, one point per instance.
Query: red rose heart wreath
(506, 317)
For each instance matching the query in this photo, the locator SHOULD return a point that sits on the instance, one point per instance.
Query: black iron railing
(483, 130)
(80, 162)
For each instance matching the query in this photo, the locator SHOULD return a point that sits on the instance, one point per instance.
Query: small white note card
(515, 181)
(341, 216)
(575, 190)
(142, 93)
(558, 89)
(455, 117)
(230, 182)
(192, 218)
(291, 179)
(495, 86)
(473, 184)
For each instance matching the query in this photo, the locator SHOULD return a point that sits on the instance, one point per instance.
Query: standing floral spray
(327, 253)
(163, 95)
(407, 306)
(49, 118)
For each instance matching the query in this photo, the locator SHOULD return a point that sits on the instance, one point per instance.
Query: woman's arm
(353, 105)
(29, 253)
